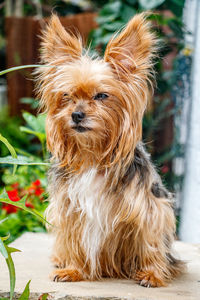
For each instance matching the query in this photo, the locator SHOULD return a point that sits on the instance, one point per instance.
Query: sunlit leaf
(21, 160)
(11, 149)
(35, 123)
(26, 292)
(11, 269)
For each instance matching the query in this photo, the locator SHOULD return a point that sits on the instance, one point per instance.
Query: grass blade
(26, 292)
(11, 269)
(19, 68)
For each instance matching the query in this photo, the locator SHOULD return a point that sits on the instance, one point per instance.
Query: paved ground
(33, 263)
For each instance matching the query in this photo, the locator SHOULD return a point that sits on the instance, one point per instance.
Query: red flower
(38, 191)
(29, 205)
(36, 183)
(9, 208)
(165, 169)
(13, 195)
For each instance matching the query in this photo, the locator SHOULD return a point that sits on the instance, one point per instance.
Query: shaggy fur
(112, 216)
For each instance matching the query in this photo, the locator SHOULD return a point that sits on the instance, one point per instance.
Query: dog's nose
(78, 116)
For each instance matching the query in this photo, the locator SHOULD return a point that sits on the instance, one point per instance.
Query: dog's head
(95, 106)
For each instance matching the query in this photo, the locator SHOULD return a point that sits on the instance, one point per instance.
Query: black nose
(78, 116)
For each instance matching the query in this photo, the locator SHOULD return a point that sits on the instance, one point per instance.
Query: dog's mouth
(81, 128)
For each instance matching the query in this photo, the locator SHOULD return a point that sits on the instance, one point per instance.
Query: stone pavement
(33, 263)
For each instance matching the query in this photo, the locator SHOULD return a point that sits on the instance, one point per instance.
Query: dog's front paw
(148, 279)
(66, 275)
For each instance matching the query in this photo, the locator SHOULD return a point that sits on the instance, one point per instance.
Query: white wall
(190, 213)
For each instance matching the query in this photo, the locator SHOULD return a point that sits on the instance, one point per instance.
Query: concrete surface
(33, 263)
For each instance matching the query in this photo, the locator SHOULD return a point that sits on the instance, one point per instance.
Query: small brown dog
(111, 214)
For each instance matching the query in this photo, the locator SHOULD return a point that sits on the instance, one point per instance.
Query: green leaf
(101, 20)
(5, 238)
(21, 160)
(8, 145)
(131, 2)
(11, 269)
(41, 136)
(36, 123)
(21, 204)
(176, 7)
(150, 4)
(26, 292)
(34, 103)
(127, 13)
(19, 68)
(3, 249)
(111, 9)
(115, 26)
(11, 149)
(106, 38)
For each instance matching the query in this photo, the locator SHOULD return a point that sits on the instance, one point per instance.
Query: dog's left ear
(58, 44)
(132, 51)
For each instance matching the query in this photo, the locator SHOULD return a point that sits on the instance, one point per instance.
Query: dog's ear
(57, 43)
(132, 51)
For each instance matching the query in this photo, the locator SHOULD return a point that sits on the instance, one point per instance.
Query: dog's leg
(65, 270)
(153, 244)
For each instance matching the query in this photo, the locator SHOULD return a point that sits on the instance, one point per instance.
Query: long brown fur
(112, 216)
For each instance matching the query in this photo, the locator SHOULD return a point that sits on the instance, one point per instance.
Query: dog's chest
(85, 193)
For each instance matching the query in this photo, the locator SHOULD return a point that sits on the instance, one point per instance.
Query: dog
(111, 215)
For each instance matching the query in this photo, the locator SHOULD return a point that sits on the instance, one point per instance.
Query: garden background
(24, 158)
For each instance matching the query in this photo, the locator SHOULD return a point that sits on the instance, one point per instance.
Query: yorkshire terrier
(112, 216)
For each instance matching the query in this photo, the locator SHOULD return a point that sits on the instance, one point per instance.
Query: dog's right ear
(58, 44)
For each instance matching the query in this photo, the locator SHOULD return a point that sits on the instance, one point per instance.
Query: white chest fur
(85, 194)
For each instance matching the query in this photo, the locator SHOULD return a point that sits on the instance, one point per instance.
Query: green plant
(5, 250)
(11, 199)
(30, 178)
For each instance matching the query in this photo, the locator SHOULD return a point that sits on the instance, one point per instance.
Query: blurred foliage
(29, 181)
(23, 199)
(167, 22)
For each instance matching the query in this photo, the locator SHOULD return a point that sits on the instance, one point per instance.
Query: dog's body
(111, 213)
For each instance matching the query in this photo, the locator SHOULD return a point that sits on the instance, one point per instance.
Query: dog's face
(88, 99)
(95, 105)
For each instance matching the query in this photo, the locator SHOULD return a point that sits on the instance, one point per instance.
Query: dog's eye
(65, 97)
(100, 96)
